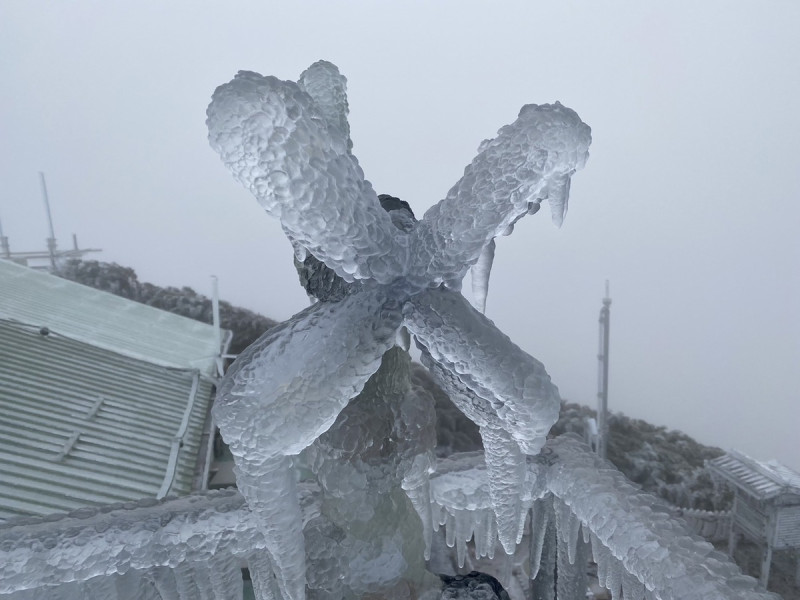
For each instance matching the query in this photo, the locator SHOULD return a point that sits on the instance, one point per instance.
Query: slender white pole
(51, 241)
(602, 388)
(215, 312)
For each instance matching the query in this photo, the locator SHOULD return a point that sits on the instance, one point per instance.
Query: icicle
(270, 489)
(568, 527)
(300, 252)
(135, 585)
(614, 579)
(543, 585)
(226, 577)
(99, 588)
(558, 195)
(505, 466)
(602, 556)
(164, 581)
(202, 579)
(403, 339)
(570, 582)
(523, 519)
(539, 522)
(651, 595)
(262, 576)
(482, 532)
(463, 533)
(491, 538)
(439, 516)
(185, 582)
(450, 531)
(632, 588)
(417, 487)
(574, 526)
(481, 271)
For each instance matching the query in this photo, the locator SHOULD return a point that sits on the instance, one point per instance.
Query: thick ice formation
(289, 144)
(279, 143)
(366, 539)
(260, 417)
(530, 160)
(88, 544)
(580, 502)
(191, 547)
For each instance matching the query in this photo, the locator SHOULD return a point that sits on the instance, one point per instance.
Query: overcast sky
(688, 204)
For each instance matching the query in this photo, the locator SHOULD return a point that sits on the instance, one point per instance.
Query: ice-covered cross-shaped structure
(289, 144)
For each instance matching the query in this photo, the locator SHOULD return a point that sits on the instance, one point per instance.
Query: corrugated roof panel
(104, 320)
(762, 480)
(82, 425)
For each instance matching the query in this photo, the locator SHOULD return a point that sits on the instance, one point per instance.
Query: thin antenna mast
(602, 379)
(51, 241)
(5, 249)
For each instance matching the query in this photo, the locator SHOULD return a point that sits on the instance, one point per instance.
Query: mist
(688, 203)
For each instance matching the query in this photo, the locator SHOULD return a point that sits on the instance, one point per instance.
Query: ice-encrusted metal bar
(139, 535)
(638, 540)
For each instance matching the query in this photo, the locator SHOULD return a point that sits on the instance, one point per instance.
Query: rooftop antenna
(602, 375)
(51, 241)
(5, 249)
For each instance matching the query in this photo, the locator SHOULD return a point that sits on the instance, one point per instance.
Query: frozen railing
(185, 548)
(577, 504)
(715, 526)
(574, 499)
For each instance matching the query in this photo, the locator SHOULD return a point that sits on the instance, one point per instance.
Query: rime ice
(289, 144)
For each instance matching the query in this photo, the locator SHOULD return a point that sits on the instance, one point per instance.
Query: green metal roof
(82, 426)
(106, 404)
(105, 320)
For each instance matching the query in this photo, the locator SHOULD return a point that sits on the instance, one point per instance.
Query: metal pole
(602, 391)
(4, 247)
(51, 241)
(215, 319)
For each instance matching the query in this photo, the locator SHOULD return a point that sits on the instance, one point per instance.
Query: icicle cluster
(578, 503)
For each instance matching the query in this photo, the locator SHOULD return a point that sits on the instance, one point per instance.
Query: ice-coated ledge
(115, 539)
(638, 546)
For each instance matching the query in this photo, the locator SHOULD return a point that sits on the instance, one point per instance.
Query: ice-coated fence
(576, 503)
(715, 526)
